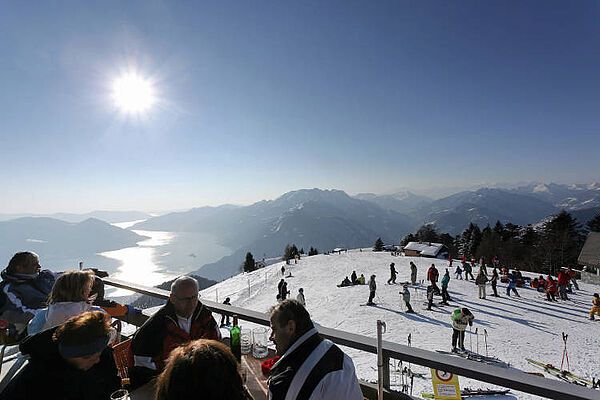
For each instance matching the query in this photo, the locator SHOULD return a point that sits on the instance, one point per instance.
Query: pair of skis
(562, 374)
(466, 392)
(477, 357)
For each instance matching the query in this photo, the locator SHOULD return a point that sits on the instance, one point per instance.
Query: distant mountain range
(62, 244)
(107, 216)
(324, 219)
(327, 219)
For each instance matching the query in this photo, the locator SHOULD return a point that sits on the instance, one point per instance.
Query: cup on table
(259, 349)
(246, 342)
(120, 394)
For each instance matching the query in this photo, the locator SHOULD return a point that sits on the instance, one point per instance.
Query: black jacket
(48, 376)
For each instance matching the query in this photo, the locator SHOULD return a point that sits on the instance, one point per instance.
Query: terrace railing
(466, 368)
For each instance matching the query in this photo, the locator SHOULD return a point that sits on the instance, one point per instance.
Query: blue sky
(259, 98)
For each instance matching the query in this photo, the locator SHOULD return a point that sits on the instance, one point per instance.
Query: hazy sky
(254, 99)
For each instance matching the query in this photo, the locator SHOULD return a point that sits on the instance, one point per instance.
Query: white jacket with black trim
(314, 368)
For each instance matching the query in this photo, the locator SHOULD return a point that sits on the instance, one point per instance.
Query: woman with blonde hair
(203, 369)
(69, 297)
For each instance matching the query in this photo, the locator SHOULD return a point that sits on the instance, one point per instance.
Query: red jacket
(563, 278)
(551, 288)
(432, 274)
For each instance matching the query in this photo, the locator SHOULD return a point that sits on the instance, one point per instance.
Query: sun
(132, 93)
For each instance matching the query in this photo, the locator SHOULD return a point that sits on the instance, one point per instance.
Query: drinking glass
(246, 342)
(120, 394)
(260, 350)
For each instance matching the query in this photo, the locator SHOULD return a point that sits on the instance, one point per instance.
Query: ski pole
(485, 338)
(565, 353)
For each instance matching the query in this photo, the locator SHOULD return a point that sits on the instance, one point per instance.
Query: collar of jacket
(295, 345)
(169, 311)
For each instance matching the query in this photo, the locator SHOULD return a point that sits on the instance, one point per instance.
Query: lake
(164, 256)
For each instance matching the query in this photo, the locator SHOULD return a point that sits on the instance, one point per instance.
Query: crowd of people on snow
(68, 341)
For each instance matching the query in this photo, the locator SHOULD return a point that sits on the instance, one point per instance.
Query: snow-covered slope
(516, 327)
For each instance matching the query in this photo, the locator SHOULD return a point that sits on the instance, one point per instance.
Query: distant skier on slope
(512, 284)
(563, 281)
(494, 280)
(300, 297)
(445, 282)
(430, 291)
(458, 272)
(413, 273)
(480, 281)
(372, 289)
(461, 317)
(353, 278)
(551, 289)
(432, 276)
(393, 274)
(468, 270)
(406, 297)
(595, 306)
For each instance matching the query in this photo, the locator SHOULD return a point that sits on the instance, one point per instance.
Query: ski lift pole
(485, 338)
(565, 353)
(380, 361)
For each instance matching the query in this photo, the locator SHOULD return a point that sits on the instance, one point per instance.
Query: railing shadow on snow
(463, 367)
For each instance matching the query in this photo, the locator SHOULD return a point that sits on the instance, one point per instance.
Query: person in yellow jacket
(595, 306)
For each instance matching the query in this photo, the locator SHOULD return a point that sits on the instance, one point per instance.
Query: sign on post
(445, 385)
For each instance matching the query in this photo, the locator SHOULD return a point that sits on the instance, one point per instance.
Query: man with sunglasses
(182, 319)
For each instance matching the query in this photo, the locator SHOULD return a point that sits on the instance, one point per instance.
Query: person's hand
(470, 323)
(100, 273)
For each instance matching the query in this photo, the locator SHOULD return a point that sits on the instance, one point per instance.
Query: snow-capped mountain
(569, 197)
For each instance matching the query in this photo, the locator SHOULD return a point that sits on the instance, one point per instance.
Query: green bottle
(236, 335)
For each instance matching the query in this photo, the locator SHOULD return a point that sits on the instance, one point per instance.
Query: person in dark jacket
(445, 282)
(393, 274)
(225, 317)
(354, 278)
(309, 366)
(468, 270)
(432, 276)
(182, 319)
(372, 289)
(68, 362)
(494, 281)
(413, 273)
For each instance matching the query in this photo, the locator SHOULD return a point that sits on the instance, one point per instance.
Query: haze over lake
(164, 256)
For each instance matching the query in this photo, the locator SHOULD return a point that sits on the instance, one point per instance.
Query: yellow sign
(445, 385)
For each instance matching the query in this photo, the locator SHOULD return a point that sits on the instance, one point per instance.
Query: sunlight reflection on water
(137, 263)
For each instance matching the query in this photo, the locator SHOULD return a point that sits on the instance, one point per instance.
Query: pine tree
(407, 239)
(249, 264)
(594, 224)
(378, 245)
(287, 252)
(427, 234)
(561, 241)
(313, 251)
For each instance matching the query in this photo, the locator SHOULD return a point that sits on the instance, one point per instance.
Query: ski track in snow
(517, 327)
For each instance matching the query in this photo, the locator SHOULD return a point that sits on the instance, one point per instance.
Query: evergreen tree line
(545, 249)
(289, 253)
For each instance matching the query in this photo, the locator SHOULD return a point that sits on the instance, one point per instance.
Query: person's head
(372, 277)
(25, 262)
(447, 272)
(72, 286)
(465, 311)
(596, 295)
(432, 265)
(289, 321)
(184, 296)
(362, 275)
(301, 290)
(82, 339)
(200, 369)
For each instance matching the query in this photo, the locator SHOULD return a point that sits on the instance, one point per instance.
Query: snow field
(516, 327)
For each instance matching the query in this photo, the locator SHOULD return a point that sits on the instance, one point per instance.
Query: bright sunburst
(133, 93)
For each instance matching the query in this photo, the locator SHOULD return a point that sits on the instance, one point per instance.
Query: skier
(445, 281)
(551, 289)
(413, 273)
(353, 278)
(282, 270)
(372, 288)
(224, 317)
(284, 291)
(432, 276)
(595, 306)
(430, 291)
(393, 273)
(300, 297)
(512, 285)
(542, 284)
(573, 275)
(406, 297)
(458, 272)
(495, 282)
(460, 318)
(279, 286)
(563, 281)
(468, 270)
(480, 281)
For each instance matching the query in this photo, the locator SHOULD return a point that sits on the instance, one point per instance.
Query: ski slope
(517, 327)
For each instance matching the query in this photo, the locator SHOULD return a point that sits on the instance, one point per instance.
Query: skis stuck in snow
(466, 392)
